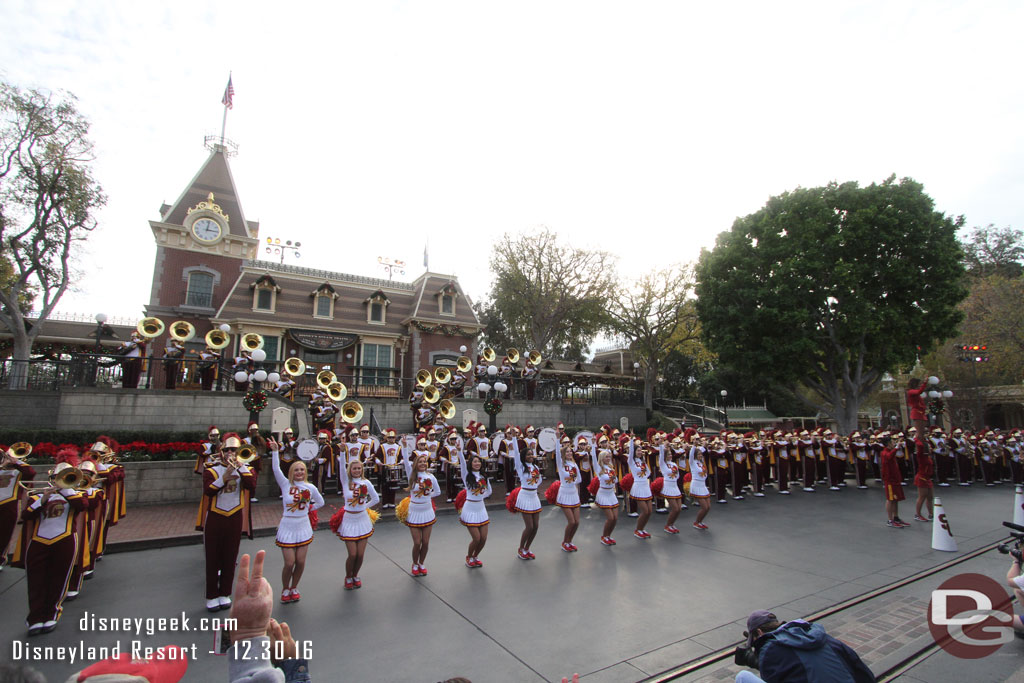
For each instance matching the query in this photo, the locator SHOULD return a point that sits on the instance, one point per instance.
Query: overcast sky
(640, 128)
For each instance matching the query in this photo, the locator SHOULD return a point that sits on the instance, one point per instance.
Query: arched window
(200, 290)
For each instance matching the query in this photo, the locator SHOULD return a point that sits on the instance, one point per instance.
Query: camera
(1014, 549)
(745, 656)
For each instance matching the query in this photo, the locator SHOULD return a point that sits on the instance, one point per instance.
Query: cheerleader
(356, 526)
(568, 494)
(295, 532)
(698, 483)
(527, 501)
(640, 491)
(604, 470)
(473, 514)
(670, 486)
(422, 487)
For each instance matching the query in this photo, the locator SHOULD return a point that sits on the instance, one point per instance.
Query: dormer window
(446, 300)
(264, 294)
(377, 308)
(323, 301)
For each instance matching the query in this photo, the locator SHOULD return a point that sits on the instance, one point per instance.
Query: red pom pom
(314, 519)
(460, 499)
(687, 477)
(335, 522)
(433, 504)
(594, 485)
(510, 501)
(657, 485)
(626, 482)
(552, 493)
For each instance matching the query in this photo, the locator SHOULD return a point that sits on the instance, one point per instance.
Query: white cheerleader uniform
(474, 511)
(299, 498)
(605, 498)
(698, 477)
(670, 476)
(530, 477)
(359, 497)
(422, 487)
(569, 476)
(641, 489)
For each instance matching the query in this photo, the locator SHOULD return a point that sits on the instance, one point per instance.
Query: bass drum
(307, 450)
(547, 439)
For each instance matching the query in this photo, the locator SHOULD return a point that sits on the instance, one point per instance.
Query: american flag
(229, 95)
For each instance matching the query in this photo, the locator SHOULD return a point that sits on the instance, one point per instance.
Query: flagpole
(224, 122)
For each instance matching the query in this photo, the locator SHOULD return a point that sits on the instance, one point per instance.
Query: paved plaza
(610, 614)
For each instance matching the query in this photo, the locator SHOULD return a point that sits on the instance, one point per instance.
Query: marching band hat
(213, 430)
(560, 425)
(529, 428)
(481, 427)
(69, 455)
(252, 426)
(323, 433)
(390, 431)
(231, 440)
(421, 442)
(288, 430)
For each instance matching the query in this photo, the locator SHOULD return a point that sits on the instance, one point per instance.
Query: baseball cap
(756, 620)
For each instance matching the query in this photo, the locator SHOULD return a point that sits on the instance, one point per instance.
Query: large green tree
(827, 288)
(546, 295)
(47, 202)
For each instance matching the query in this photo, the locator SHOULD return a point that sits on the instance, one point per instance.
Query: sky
(371, 129)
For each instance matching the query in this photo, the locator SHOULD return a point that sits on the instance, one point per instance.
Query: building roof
(428, 286)
(214, 176)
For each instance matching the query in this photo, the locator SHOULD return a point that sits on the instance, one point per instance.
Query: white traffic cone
(942, 535)
(1018, 506)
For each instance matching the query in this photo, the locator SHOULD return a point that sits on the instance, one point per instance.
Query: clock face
(206, 230)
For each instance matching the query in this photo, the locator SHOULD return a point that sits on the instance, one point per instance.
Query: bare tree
(47, 200)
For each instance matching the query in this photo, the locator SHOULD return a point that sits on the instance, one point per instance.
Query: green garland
(255, 401)
(492, 406)
(446, 330)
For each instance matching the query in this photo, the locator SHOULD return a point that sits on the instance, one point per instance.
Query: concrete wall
(538, 413)
(29, 409)
(149, 483)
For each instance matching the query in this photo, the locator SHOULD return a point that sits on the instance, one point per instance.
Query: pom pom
(594, 485)
(510, 501)
(626, 483)
(373, 515)
(460, 500)
(314, 519)
(402, 511)
(657, 485)
(552, 493)
(687, 477)
(335, 522)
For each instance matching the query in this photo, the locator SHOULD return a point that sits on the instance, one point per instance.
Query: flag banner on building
(229, 95)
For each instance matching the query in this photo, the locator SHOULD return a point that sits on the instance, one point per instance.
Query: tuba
(431, 394)
(252, 341)
(489, 354)
(424, 378)
(351, 412)
(294, 367)
(217, 340)
(19, 451)
(464, 364)
(337, 391)
(447, 409)
(535, 357)
(182, 330)
(325, 378)
(513, 355)
(150, 328)
(442, 375)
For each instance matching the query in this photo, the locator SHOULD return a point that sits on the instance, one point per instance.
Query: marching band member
(211, 448)
(448, 455)
(783, 460)
(209, 361)
(242, 363)
(326, 414)
(257, 441)
(758, 459)
(962, 450)
(285, 387)
(174, 351)
(473, 514)
(568, 494)
(738, 466)
(670, 487)
(941, 453)
(719, 456)
(12, 471)
(350, 450)
(49, 547)
(423, 487)
(457, 385)
(295, 532)
(224, 515)
(987, 459)
(891, 480)
(584, 460)
(1013, 453)
(132, 352)
(423, 416)
(356, 526)
(861, 455)
(806, 455)
(698, 481)
(506, 446)
(527, 501)
(835, 458)
(604, 470)
(325, 461)
(530, 374)
(113, 503)
(88, 524)
(640, 491)
(388, 459)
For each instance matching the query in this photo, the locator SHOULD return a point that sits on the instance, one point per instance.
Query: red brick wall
(429, 343)
(172, 286)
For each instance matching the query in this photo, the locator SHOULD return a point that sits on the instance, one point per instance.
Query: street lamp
(725, 408)
(275, 247)
(974, 354)
(101, 318)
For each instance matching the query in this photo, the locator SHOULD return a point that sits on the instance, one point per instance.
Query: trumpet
(535, 358)
(489, 354)
(447, 409)
(337, 391)
(217, 340)
(150, 328)
(351, 412)
(442, 375)
(424, 378)
(325, 378)
(182, 330)
(431, 394)
(513, 355)
(464, 364)
(294, 367)
(252, 341)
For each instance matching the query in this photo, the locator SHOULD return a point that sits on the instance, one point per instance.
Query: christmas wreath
(936, 407)
(492, 406)
(255, 401)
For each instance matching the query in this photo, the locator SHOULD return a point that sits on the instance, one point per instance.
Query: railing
(707, 417)
(113, 372)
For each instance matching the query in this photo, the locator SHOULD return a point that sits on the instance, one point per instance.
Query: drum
(393, 476)
(547, 439)
(496, 440)
(307, 450)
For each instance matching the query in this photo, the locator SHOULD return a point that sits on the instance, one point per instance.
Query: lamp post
(101, 319)
(725, 408)
(275, 247)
